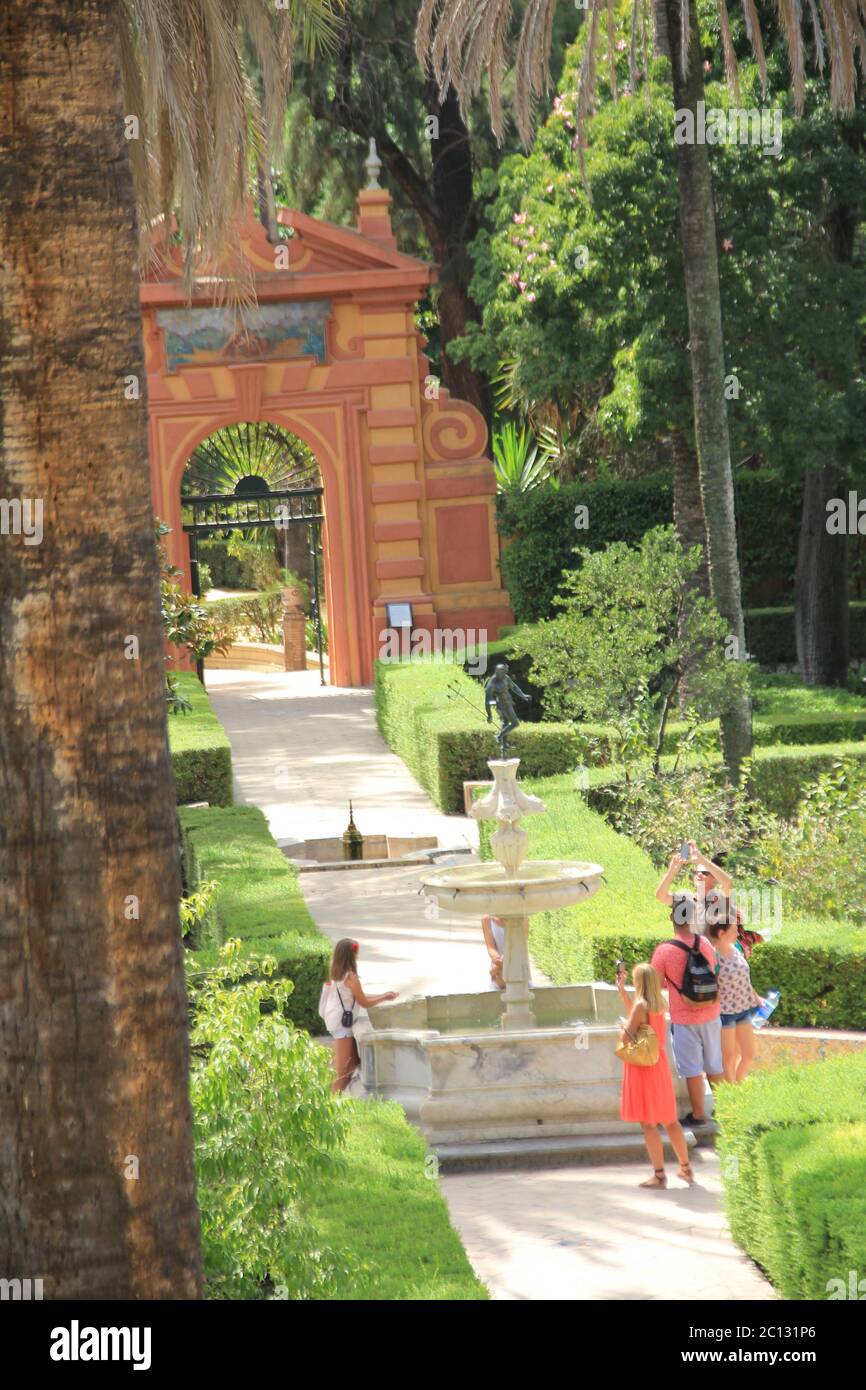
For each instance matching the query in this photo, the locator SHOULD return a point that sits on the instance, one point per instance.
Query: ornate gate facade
(331, 353)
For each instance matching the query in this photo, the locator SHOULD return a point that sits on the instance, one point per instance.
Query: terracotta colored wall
(409, 489)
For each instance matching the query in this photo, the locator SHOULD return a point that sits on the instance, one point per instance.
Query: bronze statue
(498, 691)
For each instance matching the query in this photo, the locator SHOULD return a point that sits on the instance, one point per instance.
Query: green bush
(227, 571)
(779, 773)
(793, 1151)
(200, 751)
(257, 617)
(441, 740)
(817, 965)
(267, 1135)
(539, 528)
(258, 900)
(770, 634)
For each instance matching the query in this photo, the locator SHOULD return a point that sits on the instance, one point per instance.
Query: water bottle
(760, 1016)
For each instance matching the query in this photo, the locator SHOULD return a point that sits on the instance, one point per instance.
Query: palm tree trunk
(97, 1196)
(821, 610)
(688, 506)
(706, 345)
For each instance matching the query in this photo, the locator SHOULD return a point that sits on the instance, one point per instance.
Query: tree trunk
(706, 345)
(821, 586)
(97, 1195)
(821, 611)
(688, 506)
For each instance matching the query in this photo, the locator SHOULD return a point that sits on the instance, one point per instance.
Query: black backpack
(700, 978)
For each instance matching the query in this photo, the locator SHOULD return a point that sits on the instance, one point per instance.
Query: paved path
(299, 752)
(589, 1233)
(400, 948)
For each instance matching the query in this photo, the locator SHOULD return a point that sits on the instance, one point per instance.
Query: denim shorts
(731, 1020)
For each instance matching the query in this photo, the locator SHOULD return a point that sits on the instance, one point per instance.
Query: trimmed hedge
(818, 966)
(779, 773)
(200, 750)
(770, 635)
(258, 900)
(793, 1150)
(441, 740)
(538, 527)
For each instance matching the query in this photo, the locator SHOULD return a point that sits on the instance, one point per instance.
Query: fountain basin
(539, 885)
(557, 1078)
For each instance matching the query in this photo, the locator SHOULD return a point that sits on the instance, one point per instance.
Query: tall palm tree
(464, 44)
(97, 1192)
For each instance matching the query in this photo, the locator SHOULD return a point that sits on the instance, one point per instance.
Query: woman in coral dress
(648, 1092)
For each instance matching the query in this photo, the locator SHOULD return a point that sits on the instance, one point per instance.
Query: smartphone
(620, 965)
(685, 851)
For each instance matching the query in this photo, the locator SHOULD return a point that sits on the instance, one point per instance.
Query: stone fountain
(510, 889)
(526, 1071)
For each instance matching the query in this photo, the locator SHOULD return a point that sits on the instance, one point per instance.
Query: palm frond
(202, 126)
(461, 41)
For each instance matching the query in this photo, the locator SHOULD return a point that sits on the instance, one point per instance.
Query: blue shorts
(697, 1048)
(731, 1020)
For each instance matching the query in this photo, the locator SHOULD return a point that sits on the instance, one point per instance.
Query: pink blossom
(620, 45)
(519, 218)
(530, 298)
(521, 285)
(544, 246)
(530, 258)
(550, 188)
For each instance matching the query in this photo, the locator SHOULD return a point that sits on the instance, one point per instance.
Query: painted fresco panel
(266, 333)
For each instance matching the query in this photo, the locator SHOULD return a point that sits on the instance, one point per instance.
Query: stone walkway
(588, 1233)
(582, 1232)
(301, 751)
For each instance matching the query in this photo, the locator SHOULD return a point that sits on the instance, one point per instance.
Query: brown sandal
(658, 1179)
(686, 1173)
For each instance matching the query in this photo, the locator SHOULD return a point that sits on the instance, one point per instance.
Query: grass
(388, 1218)
(784, 697)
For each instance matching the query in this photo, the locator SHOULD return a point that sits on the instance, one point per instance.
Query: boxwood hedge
(200, 751)
(258, 900)
(793, 1149)
(780, 773)
(432, 715)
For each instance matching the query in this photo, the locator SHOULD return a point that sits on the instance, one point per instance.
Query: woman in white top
(339, 997)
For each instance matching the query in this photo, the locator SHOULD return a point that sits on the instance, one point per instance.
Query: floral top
(735, 984)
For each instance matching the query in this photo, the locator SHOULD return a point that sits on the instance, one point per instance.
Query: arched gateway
(331, 352)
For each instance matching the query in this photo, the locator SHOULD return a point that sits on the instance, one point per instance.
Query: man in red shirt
(696, 1029)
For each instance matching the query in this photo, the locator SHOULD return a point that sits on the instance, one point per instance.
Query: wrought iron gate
(216, 512)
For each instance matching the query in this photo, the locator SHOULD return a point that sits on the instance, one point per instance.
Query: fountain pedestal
(512, 889)
(517, 996)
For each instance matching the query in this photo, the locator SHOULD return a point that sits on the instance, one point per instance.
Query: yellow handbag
(640, 1049)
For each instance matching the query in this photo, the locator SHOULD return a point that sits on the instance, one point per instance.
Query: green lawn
(388, 1219)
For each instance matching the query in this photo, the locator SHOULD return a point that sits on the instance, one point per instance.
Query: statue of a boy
(498, 691)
